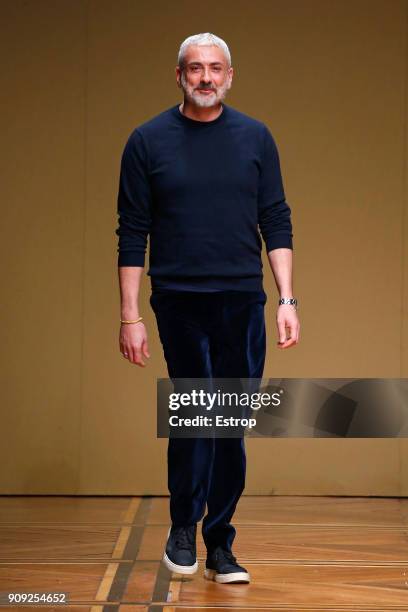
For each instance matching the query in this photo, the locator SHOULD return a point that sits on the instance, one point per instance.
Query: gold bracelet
(136, 321)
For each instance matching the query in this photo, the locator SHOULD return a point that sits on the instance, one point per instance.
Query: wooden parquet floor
(303, 553)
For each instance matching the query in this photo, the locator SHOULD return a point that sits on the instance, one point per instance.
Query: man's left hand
(287, 319)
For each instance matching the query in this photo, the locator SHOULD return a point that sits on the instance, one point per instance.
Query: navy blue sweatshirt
(200, 190)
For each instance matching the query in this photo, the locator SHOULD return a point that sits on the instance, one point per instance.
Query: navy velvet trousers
(204, 335)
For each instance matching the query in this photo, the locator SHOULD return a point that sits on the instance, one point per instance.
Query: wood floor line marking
(110, 572)
(70, 562)
(401, 527)
(292, 607)
(106, 582)
(132, 509)
(279, 606)
(175, 588)
(250, 561)
(282, 606)
(116, 570)
(161, 586)
(131, 550)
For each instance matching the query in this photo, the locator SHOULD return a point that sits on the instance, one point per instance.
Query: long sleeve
(273, 211)
(133, 203)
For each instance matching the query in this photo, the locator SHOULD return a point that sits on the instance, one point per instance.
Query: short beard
(203, 101)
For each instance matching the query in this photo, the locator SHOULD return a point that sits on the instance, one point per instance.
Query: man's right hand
(133, 342)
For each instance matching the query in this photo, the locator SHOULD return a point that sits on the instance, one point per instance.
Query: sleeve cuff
(280, 241)
(131, 258)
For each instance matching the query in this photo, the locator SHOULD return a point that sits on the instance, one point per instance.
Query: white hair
(205, 38)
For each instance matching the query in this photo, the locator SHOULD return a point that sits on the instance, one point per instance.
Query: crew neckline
(196, 122)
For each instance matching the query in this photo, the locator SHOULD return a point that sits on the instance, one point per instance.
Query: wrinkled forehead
(205, 54)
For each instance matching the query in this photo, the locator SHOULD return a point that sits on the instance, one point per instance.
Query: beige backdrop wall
(330, 81)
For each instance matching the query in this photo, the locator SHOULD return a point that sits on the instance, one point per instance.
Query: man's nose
(206, 75)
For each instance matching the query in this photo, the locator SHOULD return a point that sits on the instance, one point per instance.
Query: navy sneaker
(222, 566)
(181, 554)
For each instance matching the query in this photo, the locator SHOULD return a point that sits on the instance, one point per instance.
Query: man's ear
(230, 82)
(177, 78)
(231, 74)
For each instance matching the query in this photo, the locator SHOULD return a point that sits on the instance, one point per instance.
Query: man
(199, 178)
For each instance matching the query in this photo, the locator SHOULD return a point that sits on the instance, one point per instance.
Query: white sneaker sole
(211, 574)
(180, 569)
